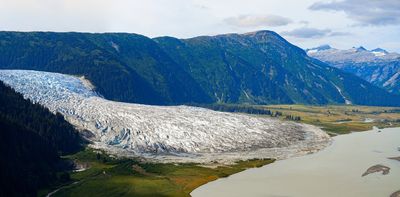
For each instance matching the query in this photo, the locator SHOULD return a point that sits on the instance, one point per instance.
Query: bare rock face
(377, 66)
(377, 168)
(162, 131)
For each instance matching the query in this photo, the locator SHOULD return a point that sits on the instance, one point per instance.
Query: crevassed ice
(163, 131)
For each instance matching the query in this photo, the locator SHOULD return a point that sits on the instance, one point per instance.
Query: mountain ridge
(258, 67)
(377, 66)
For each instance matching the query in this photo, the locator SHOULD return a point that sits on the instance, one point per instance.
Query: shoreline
(314, 142)
(218, 165)
(375, 129)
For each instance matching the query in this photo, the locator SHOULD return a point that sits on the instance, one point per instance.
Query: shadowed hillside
(31, 140)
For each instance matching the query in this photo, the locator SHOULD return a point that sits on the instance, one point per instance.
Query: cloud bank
(307, 32)
(365, 12)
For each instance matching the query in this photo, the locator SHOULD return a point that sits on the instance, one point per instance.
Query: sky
(306, 23)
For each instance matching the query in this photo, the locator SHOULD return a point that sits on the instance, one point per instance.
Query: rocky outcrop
(377, 168)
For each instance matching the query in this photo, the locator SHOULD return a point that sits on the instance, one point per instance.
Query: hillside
(123, 67)
(377, 66)
(31, 140)
(257, 68)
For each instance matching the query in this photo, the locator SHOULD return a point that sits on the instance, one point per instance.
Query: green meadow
(108, 176)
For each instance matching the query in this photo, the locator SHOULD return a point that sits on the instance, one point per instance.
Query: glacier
(164, 133)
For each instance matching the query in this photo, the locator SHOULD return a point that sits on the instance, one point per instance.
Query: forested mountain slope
(262, 67)
(259, 67)
(31, 140)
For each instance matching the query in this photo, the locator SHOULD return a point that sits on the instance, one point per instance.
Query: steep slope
(189, 133)
(123, 67)
(31, 139)
(259, 67)
(262, 67)
(377, 66)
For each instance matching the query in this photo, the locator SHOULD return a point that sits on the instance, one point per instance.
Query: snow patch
(312, 51)
(392, 80)
(378, 54)
(115, 46)
(347, 101)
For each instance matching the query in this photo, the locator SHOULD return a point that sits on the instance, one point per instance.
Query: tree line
(247, 109)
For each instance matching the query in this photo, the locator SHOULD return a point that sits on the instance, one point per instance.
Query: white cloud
(365, 12)
(307, 32)
(189, 18)
(258, 21)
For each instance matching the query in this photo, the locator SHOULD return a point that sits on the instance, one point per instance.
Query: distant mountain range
(377, 66)
(259, 68)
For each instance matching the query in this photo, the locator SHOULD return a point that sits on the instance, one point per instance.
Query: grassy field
(108, 176)
(339, 119)
(128, 177)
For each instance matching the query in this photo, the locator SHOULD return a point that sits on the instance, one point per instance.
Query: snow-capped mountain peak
(376, 66)
(354, 54)
(320, 48)
(360, 49)
(379, 52)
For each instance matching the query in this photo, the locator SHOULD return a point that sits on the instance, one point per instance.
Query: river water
(334, 171)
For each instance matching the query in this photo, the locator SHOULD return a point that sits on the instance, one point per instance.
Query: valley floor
(341, 119)
(108, 176)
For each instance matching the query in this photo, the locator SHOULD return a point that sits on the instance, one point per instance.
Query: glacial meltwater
(334, 171)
